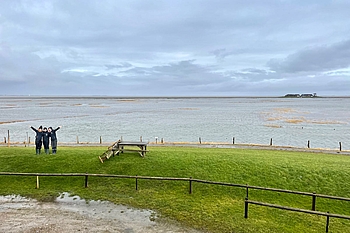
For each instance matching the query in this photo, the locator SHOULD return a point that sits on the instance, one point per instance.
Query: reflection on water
(105, 210)
(290, 122)
(100, 209)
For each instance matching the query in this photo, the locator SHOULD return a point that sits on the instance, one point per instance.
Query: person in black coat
(46, 141)
(38, 138)
(53, 136)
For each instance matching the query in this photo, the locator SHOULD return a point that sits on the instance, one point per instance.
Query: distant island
(301, 95)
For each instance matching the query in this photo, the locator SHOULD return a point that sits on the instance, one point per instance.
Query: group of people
(43, 136)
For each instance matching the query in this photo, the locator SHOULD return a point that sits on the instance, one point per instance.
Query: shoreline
(196, 145)
(158, 97)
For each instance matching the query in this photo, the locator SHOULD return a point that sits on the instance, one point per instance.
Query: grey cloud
(318, 59)
(221, 54)
(186, 47)
(118, 66)
(182, 73)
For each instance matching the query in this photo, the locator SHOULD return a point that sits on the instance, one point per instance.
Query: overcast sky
(174, 48)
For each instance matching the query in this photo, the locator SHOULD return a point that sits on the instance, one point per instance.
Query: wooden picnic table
(119, 147)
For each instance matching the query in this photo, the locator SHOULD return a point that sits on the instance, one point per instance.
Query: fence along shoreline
(200, 145)
(28, 142)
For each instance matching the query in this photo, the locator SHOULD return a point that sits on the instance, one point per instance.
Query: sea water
(287, 121)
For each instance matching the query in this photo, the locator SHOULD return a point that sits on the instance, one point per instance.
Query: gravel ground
(71, 214)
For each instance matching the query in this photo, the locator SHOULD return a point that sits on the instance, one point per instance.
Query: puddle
(105, 210)
(74, 214)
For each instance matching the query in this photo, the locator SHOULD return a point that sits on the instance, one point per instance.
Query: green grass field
(210, 207)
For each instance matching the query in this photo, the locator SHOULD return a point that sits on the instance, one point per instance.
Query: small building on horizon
(306, 95)
(292, 96)
(301, 95)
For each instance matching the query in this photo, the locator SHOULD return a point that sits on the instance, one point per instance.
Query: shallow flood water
(289, 122)
(72, 214)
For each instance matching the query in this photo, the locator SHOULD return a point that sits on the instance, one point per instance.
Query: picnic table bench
(123, 146)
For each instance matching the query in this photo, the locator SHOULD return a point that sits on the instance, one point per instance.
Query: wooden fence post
(271, 142)
(136, 183)
(100, 139)
(200, 140)
(247, 191)
(313, 207)
(5, 140)
(339, 146)
(327, 222)
(190, 185)
(37, 182)
(308, 143)
(233, 140)
(86, 180)
(246, 207)
(8, 138)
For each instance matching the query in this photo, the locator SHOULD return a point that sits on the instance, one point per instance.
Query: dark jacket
(46, 138)
(53, 134)
(38, 136)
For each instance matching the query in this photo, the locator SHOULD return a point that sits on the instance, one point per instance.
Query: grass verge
(210, 207)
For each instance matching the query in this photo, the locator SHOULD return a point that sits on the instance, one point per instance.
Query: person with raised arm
(53, 137)
(38, 138)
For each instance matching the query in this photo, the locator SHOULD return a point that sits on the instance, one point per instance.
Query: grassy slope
(213, 208)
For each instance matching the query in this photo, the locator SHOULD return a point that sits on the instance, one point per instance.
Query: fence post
(190, 185)
(247, 191)
(327, 222)
(233, 140)
(5, 140)
(308, 143)
(86, 180)
(200, 140)
(271, 142)
(100, 139)
(313, 201)
(246, 207)
(8, 138)
(140, 138)
(77, 140)
(136, 182)
(339, 146)
(37, 182)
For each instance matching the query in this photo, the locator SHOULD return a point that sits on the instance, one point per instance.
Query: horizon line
(155, 97)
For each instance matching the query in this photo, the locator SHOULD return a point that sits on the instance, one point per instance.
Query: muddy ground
(71, 214)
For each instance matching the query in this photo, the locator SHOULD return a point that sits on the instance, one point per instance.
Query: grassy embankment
(210, 207)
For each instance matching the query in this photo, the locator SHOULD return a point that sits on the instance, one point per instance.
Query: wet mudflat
(73, 214)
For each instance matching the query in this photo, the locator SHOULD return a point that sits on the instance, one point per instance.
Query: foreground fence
(190, 180)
